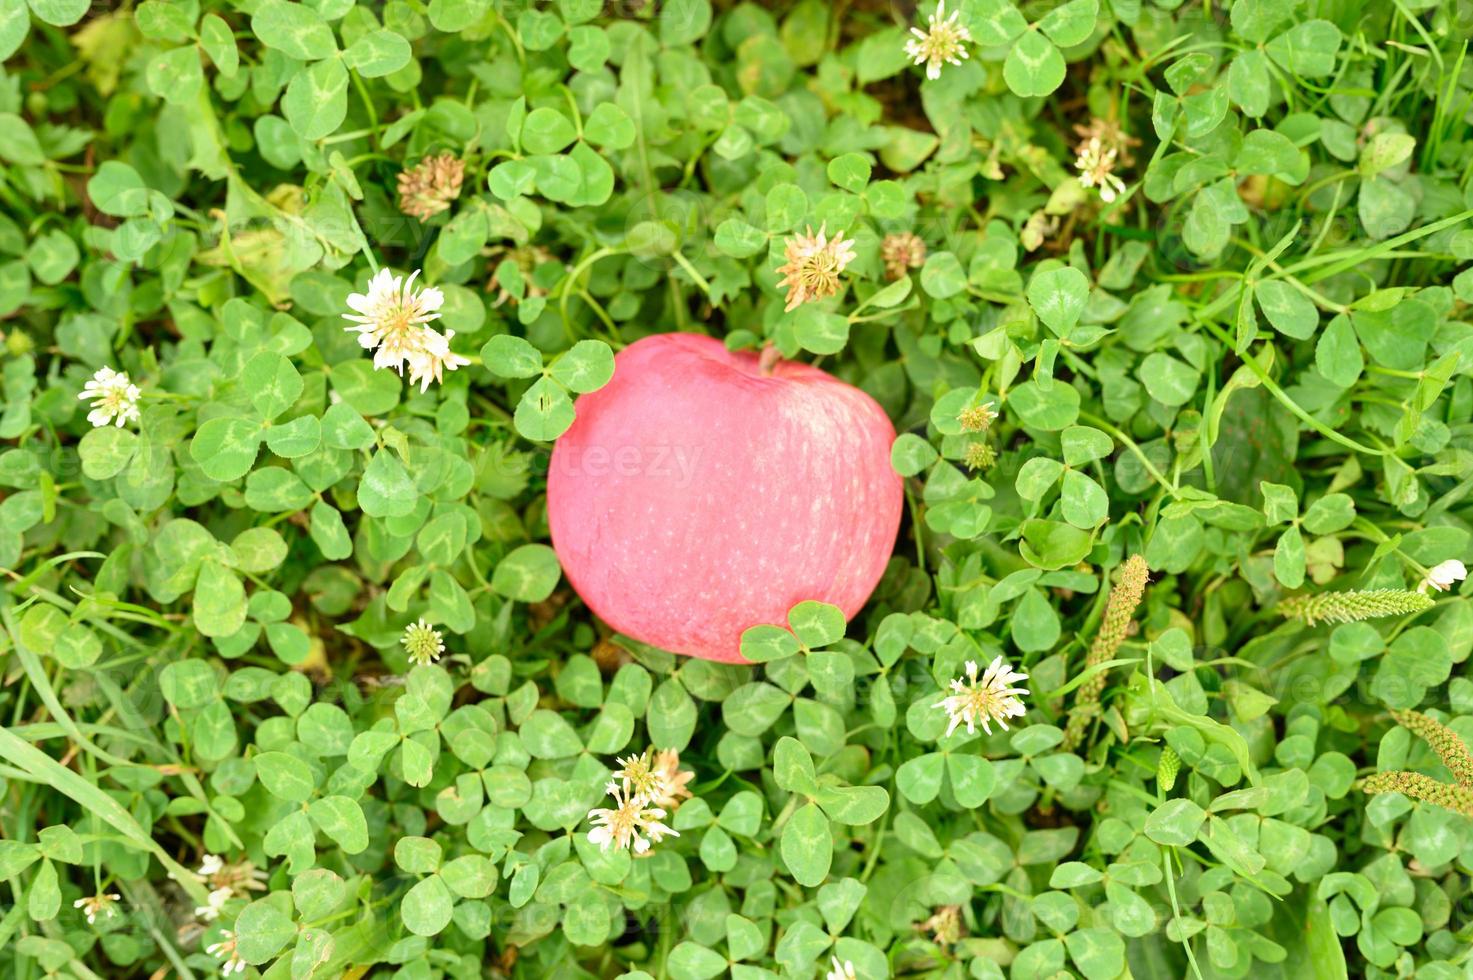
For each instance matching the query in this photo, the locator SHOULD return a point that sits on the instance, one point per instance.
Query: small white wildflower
(623, 825)
(225, 950)
(113, 396)
(1110, 134)
(434, 360)
(656, 777)
(813, 265)
(943, 42)
(236, 879)
(423, 642)
(636, 774)
(980, 701)
(1444, 576)
(214, 905)
(391, 321)
(1096, 165)
(102, 905)
(842, 970)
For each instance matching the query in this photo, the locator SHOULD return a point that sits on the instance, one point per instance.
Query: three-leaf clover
(545, 409)
(806, 840)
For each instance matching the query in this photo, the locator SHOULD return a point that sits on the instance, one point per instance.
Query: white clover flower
(943, 42)
(841, 970)
(980, 701)
(423, 642)
(1444, 576)
(1096, 166)
(1110, 134)
(813, 265)
(236, 880)
(655, 777)
(436, 358)
(622, 826)
(114, 398)
(102, 905)
(214, 905)
(391, 320)
(636, 774)
(225, 950)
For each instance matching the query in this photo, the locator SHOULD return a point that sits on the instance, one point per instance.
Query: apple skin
(696, 496)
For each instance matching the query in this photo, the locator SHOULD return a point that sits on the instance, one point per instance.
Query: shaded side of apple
(697, 495)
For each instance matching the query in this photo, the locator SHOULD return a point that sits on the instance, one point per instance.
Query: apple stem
(768, 359)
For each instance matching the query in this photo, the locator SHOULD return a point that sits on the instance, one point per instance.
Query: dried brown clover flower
(428, 188)
(902, 251)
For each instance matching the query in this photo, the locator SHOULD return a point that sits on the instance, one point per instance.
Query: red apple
(701, 492)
